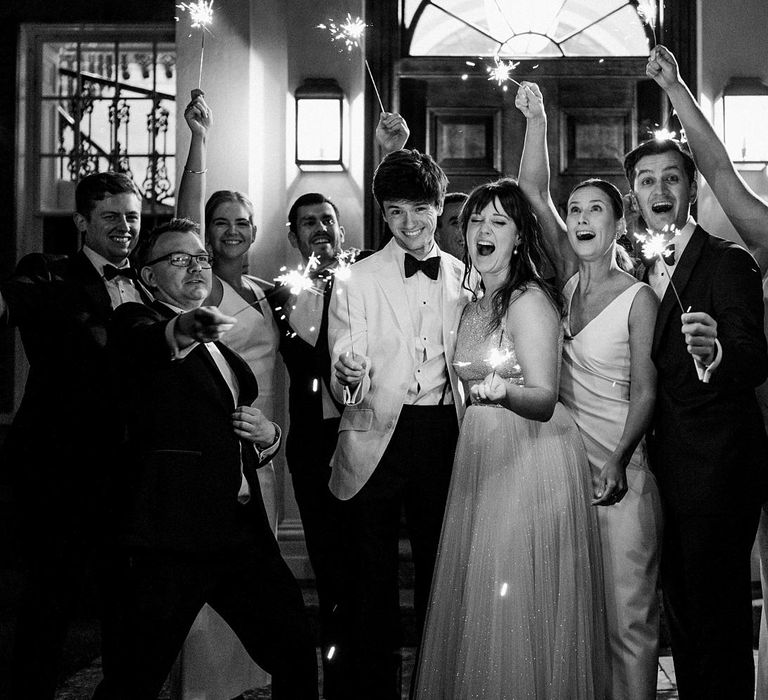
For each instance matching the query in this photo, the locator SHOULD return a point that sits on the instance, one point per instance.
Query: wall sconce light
(319, 125)
(745, 105)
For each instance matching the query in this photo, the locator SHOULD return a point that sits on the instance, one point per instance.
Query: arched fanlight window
(529, 28)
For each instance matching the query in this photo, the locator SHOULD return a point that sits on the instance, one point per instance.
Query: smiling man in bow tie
(392, 330)
(60, 447)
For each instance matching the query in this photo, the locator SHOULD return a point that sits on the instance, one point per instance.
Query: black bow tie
(430, 267)
(110, 272)
(668, 255)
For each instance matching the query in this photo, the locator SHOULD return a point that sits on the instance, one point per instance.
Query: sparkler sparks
(664, 134)
(343, 272)
(498, 357)
(500, 71)
(350, 32)
(646, 9)
(201, 15)
(297, 280)
(343, 269)
(657, 245)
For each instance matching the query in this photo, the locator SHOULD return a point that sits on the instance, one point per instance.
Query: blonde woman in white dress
(213, 664)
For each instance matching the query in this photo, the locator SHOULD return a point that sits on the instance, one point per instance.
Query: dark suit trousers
(56, 576)
(413, 475)
(64, 546)
(252, 589)
(320, 518)
(706, 582)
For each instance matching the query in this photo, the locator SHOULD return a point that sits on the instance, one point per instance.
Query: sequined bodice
(478, 353)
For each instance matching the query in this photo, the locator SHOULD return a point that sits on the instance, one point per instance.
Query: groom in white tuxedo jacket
(392, 330)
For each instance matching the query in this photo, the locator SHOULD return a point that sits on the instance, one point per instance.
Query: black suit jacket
(65, 431)
(182, 458)
(307, 366)
(708, 444)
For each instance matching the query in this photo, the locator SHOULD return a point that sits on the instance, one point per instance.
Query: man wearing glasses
(196, 529)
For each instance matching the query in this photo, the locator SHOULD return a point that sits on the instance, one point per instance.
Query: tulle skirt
(516, 605)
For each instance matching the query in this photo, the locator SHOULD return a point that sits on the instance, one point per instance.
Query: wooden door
(597, 111)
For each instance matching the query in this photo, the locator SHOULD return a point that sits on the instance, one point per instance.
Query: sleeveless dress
(516, 605)
(213, 664)
(594, 385)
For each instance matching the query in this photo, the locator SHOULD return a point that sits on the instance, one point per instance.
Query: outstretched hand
(530, 101)
(392, 132)
(198, 115)
(662, 67)
(205, 324)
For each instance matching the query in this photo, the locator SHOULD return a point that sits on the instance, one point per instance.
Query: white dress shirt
(425, 305)
(120, 289)
(659, 278)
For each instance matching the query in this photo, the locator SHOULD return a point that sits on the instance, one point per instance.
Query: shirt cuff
(170, 337)
(705, 371)
(264, 454)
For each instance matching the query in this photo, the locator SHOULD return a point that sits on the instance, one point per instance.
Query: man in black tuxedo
(315, 230)
(195, 526)
(708, 445)
(60, 448)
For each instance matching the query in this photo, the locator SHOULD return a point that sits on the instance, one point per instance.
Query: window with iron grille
(96, 98)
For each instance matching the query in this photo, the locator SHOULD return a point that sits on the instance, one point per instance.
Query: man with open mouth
(707, 445)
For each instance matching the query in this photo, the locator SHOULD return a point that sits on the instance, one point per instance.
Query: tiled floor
(81, 685)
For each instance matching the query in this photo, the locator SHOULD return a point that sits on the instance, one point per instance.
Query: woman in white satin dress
(213, 664)
(608, 382)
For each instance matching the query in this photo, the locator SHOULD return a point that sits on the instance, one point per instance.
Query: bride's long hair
(529, 258)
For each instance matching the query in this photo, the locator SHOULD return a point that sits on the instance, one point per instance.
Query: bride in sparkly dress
(515, 609)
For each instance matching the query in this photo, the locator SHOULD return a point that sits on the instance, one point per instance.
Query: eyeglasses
(184, 260)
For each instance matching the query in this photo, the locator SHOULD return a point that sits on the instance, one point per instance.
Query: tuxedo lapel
(682, 274)
(249, 388)
(92, 282)
(390, 279)
(201, 354)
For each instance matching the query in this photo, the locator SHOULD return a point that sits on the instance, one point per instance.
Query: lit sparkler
(664, 134)
(500, 71)
(343, 272)
(646, 9)
(351, 33)
(498, 356)
(200, 15)
(657, 245)
(297, 281)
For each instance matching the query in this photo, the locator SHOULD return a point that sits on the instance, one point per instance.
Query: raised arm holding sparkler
(714, 480)
(608, 383)
(745, 210)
